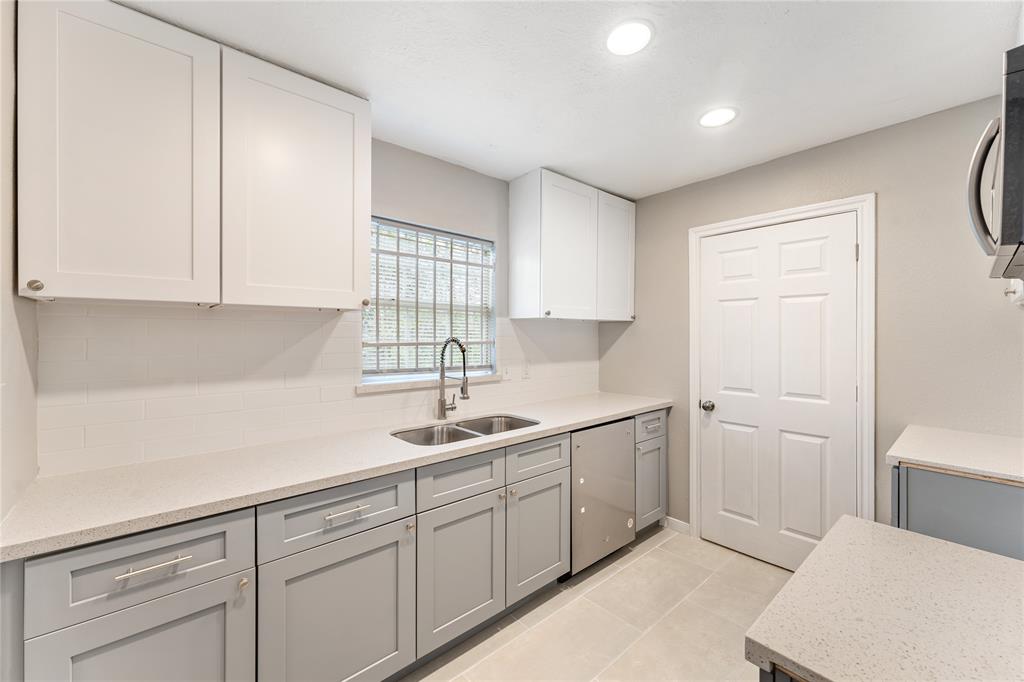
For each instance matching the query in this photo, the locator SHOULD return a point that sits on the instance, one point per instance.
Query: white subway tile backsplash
(201, 404)
(62, 416)
(122, 383)
(55, 440)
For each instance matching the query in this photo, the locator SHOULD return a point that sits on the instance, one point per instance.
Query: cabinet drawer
(71, 587)
(457, 479)
(303, 522)
(651, 425)
(536, 457)
(205, 633)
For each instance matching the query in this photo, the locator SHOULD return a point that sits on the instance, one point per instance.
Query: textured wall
(949, 345)
(126, 383)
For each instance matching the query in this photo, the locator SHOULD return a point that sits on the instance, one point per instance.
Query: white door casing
(295, 189)
(778, 330)
(119, 163)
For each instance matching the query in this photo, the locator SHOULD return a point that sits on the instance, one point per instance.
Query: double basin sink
(443, 434)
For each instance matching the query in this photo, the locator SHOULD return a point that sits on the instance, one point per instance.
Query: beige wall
(949, 345)
(17, 315)
(421, 189)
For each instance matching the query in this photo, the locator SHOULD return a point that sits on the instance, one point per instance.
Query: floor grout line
(661, 618)
(574, 599)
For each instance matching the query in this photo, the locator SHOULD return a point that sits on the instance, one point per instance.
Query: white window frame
(376, 381)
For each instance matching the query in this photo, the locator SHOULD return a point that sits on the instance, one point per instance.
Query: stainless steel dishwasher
(603, 492)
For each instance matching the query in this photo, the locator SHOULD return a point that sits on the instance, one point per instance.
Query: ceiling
(505, 87)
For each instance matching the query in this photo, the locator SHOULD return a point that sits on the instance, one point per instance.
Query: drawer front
(205, 633)
(457, 479)
(303, 522)
(537, 457)
(71, 587)
(651, 425)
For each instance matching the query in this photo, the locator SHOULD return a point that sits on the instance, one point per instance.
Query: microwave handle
(981, 229)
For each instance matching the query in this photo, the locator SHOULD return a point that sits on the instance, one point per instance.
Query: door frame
(863, 206)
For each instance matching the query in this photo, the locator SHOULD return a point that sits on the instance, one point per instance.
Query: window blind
(427, 285)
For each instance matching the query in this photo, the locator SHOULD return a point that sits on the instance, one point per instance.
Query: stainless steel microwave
(996, 207)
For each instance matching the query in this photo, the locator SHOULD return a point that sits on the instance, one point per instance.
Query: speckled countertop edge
(874, 602)
(61, 512)
(980, 454)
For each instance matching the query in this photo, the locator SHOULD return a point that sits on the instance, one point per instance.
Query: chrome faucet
(443, 407)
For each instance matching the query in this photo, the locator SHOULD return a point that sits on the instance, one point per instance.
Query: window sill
(424, 384)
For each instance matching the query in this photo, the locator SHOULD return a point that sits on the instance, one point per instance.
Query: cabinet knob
(242, 584)
(366, 302)
(411, 526)
(547, 313)
(513, 492)
(35, 285)
(501, 496)
(632, 317)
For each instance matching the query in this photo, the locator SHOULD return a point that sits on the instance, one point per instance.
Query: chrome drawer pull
(335, 515)
(131, 573)
(651, 427)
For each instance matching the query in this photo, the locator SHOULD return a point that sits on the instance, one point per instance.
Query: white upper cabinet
(296, 189)
(118, 156)
(616, 225)
(571, 250)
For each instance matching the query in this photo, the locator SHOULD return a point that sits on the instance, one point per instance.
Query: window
(426, 285)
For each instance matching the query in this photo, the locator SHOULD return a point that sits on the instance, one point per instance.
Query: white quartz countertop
(873, 602)
(66, 511)
(978, 454)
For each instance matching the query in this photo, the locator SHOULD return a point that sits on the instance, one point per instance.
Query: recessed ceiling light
(718, 117)
(629, 38)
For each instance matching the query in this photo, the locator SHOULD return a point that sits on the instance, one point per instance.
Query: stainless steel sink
(435, 435)
(442, 434)
(498, 423)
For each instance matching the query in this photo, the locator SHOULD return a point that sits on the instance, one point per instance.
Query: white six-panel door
(119, 171)
(295, 189)
(778, 358)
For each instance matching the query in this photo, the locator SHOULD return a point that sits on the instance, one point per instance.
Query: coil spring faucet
(443, 407)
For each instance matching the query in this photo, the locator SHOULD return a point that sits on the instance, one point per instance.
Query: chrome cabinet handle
(132, 574)
(652, 427)
(335, 515)
(982, 232)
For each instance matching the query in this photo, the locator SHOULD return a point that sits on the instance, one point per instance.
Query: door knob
(708, 406)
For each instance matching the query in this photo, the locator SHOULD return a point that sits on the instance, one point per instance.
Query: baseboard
(677, 525)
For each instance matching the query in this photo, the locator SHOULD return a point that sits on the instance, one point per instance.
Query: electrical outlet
(526, 370)
(506, 373)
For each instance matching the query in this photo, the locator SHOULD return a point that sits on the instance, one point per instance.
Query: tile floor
(668, 607)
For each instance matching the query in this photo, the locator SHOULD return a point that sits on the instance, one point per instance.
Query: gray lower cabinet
(537, 523)
(460, 568)
(345, 610)
(980, 513)
(203, 633)
(651, 481)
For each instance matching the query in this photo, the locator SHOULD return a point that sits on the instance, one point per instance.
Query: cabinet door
(460, 568)
(341, 611)
(651, 481)
(568, 248)
(296, 189)
(118, 156)
(538, 533)
(616, 220)
(206, 632)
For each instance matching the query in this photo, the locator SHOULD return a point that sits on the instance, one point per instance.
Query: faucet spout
(443, 406)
